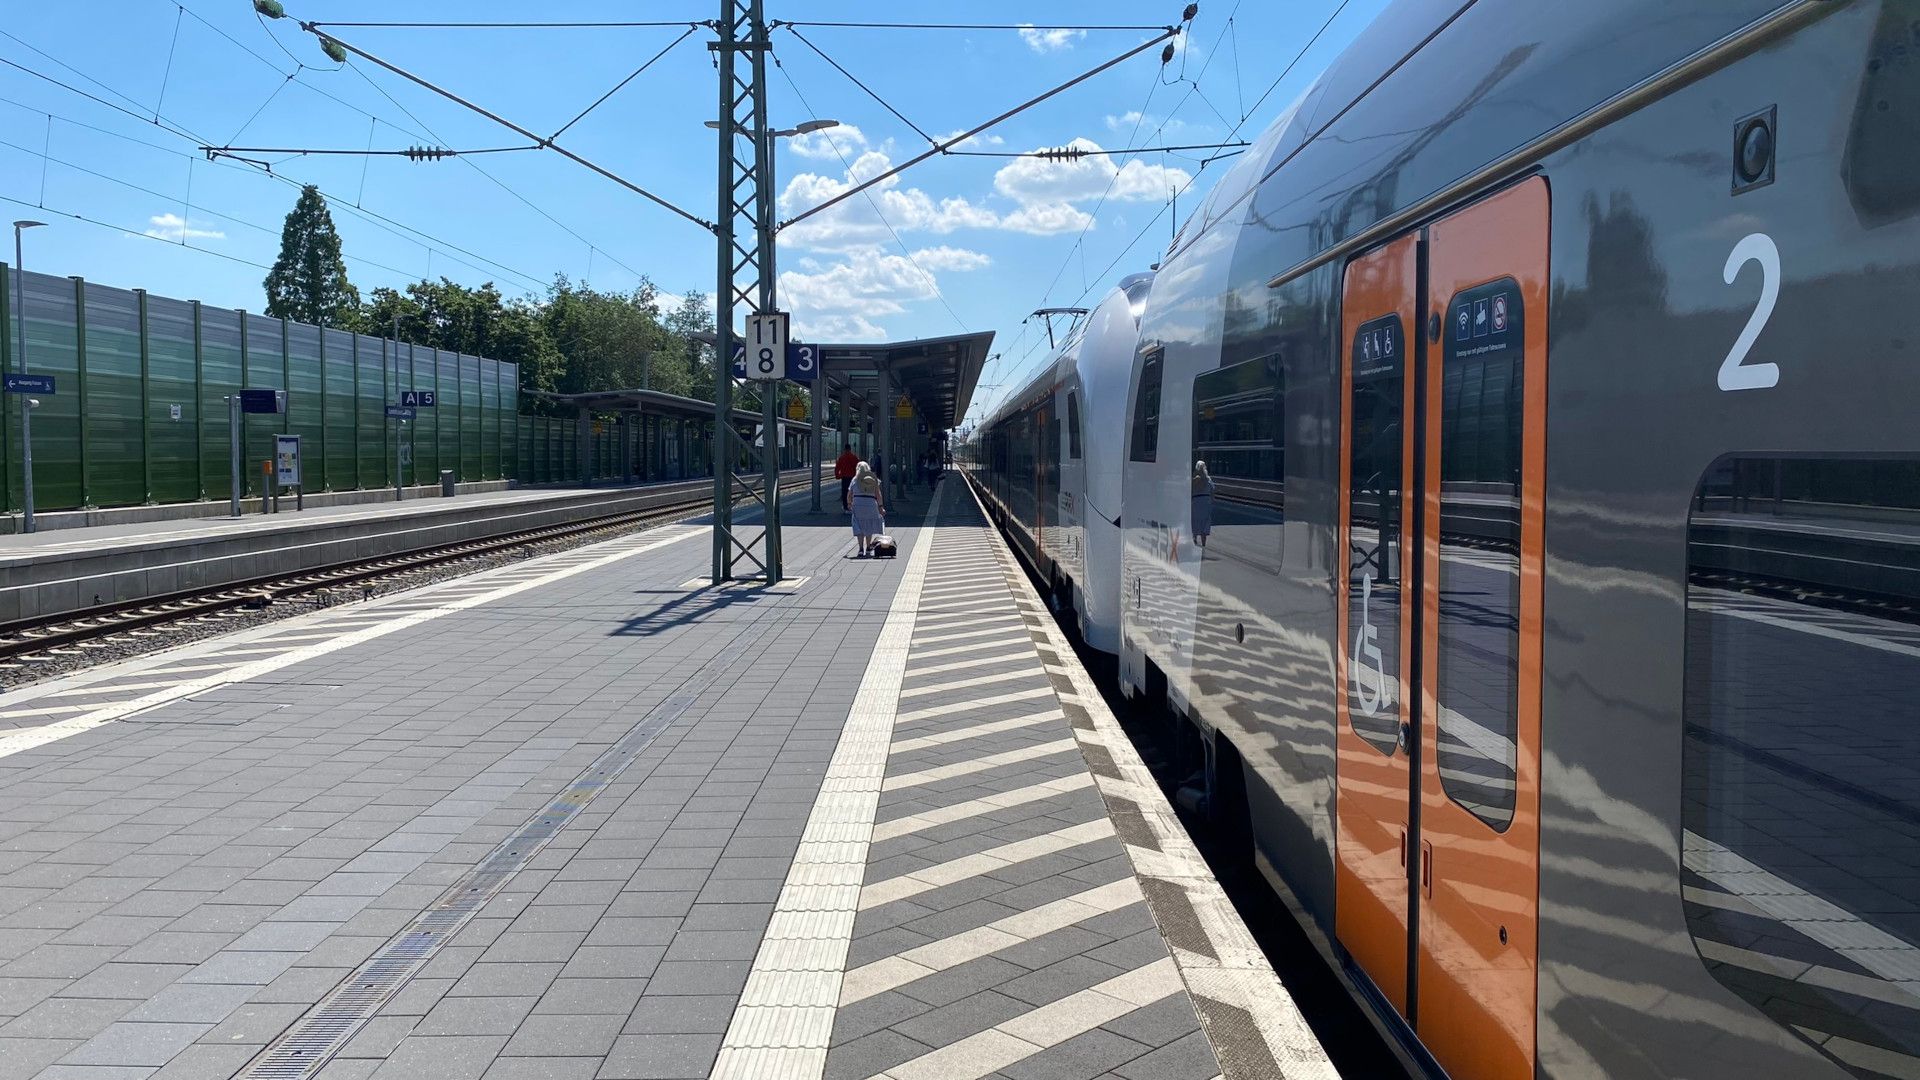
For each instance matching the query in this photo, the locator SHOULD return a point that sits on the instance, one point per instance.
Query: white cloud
(855, 222)
(844, 300)
(951, 258)
(1044, 197)
(830, 144)
(1046, 219)
(173, 227)
(1046, 41)
(1133, 120)
(1032, 181)
(978, 142)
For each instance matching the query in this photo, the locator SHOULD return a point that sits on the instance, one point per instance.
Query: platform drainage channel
(317, 1036)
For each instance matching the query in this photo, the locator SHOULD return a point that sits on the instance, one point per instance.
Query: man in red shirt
(843, 470)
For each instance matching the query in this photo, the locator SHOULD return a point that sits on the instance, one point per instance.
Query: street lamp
(26, 403)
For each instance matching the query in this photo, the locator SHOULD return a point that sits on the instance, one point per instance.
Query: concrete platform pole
(583, 437)
(886, 428)
(814, 397)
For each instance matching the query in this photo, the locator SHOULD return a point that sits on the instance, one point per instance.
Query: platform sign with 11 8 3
(803, 361)
(766, 341)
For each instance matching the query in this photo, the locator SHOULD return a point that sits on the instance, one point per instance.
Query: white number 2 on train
(1735, 374)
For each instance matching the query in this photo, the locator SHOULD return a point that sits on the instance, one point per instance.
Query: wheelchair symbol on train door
(1365, 644)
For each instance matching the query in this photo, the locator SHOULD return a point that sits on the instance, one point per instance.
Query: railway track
(25, 640)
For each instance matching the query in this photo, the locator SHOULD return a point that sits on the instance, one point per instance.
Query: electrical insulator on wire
(333, 50)
(427, 153)
(1166, 55)
(272, 9)
(1060, 153)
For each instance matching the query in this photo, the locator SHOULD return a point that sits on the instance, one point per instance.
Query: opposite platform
(572, 818)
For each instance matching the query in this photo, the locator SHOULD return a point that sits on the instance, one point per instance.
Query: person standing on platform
(869, 507)
(1202, 504)
(844, 467)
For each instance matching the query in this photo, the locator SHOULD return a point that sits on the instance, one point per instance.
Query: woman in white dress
(869, 506)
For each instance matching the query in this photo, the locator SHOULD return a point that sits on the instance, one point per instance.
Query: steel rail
(28, 637)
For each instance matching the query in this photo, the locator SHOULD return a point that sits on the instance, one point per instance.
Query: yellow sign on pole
(796, 409)
(903, 409)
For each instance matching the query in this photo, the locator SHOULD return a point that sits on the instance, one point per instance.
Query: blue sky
(956, 244)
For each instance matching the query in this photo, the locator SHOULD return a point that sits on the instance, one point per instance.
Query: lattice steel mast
(744, 234)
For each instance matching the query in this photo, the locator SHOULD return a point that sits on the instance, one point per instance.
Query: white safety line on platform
(972, 704)
(783, 1021)
(968, 684)
(976, 731)
(986, 804)
(1023, 656)
(14, 742)
(1231, 981)
(1015, 1040)
(979, 764)
(928, 878)
(898, 970)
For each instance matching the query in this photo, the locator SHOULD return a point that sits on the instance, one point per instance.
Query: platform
(585, 817)
(53, 573)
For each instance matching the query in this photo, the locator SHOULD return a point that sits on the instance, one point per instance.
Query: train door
(1438, 801)
(1374, 744)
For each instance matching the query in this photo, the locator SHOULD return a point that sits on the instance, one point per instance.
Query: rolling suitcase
(883, 547)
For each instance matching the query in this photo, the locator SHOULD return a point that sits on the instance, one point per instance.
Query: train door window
(1376, 540)
(1073, 426)
(1800, 759)
(1237, 433)
(1146, 409)
(1478, 631)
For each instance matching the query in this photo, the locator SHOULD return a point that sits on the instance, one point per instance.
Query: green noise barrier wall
(139, 413)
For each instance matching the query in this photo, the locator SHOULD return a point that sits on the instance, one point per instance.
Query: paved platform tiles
(624, 781)
(143, 533)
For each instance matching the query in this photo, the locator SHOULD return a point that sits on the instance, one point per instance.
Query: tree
(686, 354)
(308, 282)
(478, 322)
(613, 341)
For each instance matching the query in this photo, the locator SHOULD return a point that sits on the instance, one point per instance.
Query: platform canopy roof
(656, 402)
(938, 374)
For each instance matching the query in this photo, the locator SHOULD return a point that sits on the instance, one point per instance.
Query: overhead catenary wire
(1132, 140)
(776, 23)
(179, 15)
(167, 125)
(418, 153)
(377, 120)
(623, 82)
(940, 147)
(508, 124)
(1263, 97)
(190, 209)
(884, 103)
(431, 25)
(475, 166)
(130, 232)
(1072, 153)
(891, 231)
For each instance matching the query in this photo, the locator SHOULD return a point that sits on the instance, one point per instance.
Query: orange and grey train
(1549, 609)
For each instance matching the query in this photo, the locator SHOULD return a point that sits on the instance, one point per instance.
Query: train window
(1146, 409)
(1237, 431)
(1073, 426)
(1800, 758)
(1376, 561)
(1237, 427)
(1478, 631)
